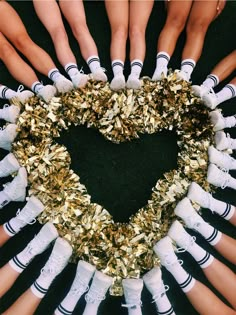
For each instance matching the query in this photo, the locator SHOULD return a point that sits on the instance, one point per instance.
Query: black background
(120, 177)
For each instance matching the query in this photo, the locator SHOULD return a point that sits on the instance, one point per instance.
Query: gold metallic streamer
(120, 250)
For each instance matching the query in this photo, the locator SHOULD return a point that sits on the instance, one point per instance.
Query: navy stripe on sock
(9, 228)
(35, 86)
(136, 63)
(63, 310)
(5, 202)
(213, 236)
(18, 263)
(213, 78)
(186, 282)
(163, 56)
(71, 67)
(39, 288)
(53, 73)
(227, 211)
(4, 92)
(168, 312)
(92, 60)
(204, 259)
(231, 89)
(187, 63)
(117, 63)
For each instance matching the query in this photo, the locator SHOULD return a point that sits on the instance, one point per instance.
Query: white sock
(117, 67)
(203, 258)
(211, 81)
(162, 60)
(184, 279)
(13, 226)
(136, 68)
(6, 93)
(4, 199)
(230, 121)
(233, 144)
(225, 210)
(21, 260)
(232, 183)
(42, 284)
(135, 311)
(9, 229)
(163, 306)
(71, 69)
(68, 304)
(211, 235)
(93, 63)
(91, 309)
(55, 75)
(228, 92)
(187, 66)
(36, 87)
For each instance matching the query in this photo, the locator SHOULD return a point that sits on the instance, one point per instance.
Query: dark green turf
(120, 177)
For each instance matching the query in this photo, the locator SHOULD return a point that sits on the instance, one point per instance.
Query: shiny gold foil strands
(119, 250)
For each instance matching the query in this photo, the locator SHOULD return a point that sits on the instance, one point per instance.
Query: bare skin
(223, 279)
(225, 67)
(132, 21)
(233, 219)
(13, 28)
(17, 67)
(4, 237)
(206, 302)
(74, 13)
(54, 25)
(177, 14)
(226, 247)
(197, 16)
(8, 276)
(201, 15)
(26, 304)
(119, 27)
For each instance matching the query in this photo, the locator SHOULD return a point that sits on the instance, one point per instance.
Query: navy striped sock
(228, 92)
(6, 93)
(170, 311)
(232, 89)
(163, 55)
(136, 67)
(9, 229)
(38, 290)
(117, 67)
(61, 310)
(206, 260)
(54, 74)
(17, 265)
(211, 81)
(71, 69)
(187, 66)
(214, 238)
(228, 213)
(93, 63)
(187, 284)
(36, 87)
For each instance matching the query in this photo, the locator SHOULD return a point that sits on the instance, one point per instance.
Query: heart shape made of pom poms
(118, 249)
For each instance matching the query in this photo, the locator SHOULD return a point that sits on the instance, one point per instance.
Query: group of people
(95, 283)
(131, 22)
